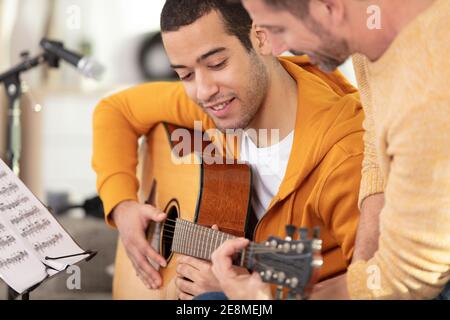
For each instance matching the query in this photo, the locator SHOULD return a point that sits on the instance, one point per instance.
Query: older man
(403, 76)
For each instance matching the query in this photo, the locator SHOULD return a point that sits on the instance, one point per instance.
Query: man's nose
(206, 88)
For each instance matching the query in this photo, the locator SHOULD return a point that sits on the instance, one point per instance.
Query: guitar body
(206, 194)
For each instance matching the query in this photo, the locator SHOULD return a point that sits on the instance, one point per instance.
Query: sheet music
(16, 261)
(29, 232)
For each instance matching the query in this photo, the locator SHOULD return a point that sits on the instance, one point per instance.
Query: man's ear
(261, 41)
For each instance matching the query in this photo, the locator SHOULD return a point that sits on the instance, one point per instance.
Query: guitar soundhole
(167, 231)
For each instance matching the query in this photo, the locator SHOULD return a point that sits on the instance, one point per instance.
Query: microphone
(87, 66)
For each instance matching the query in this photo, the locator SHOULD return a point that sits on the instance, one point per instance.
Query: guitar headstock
(288, 263)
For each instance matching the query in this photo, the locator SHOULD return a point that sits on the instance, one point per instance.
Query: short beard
(326, 64)
(254, 94)
(332, 53)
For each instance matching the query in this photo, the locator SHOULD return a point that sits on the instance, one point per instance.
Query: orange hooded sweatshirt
(321, 184)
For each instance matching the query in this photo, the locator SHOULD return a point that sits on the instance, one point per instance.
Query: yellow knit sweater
(406, 95)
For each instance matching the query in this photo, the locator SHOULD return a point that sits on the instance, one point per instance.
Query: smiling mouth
(220, 106)
(221, 110)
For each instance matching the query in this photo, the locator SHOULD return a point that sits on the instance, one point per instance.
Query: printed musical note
(10, 189)
(28, 235)
(16, 258)
(52, 241)
(25, 215)
(6, 241)
(35, 227)
(14, 204)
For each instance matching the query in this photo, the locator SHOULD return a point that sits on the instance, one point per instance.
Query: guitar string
(186, 222)
(256, 248)
(205, 241)
(253, 247)
(260, 247)
(250, 252)
(170, 227)
(189, 223)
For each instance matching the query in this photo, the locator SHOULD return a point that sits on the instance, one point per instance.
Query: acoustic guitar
(197, 194)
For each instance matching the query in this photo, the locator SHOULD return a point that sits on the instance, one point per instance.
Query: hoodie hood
(327, 107)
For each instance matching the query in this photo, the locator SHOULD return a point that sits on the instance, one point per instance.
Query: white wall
(114, 27)
(67, 137)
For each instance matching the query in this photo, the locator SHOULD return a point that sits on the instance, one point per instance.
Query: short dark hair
(298, 7)
(180, 13)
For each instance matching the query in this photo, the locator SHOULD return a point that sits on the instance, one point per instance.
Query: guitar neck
(197, 241)
(293, 264)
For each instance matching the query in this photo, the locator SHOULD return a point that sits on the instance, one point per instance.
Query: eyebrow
(201, 58)
(269, 26)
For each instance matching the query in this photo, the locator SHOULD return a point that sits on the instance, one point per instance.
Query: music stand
(13, 87)
(12, 294)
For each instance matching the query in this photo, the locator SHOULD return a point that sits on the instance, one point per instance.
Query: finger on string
(260, 248)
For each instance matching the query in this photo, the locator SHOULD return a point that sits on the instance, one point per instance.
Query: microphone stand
(12, 82)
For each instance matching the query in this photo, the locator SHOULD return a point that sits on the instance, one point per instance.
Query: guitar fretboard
(287, 263)
(197, 241)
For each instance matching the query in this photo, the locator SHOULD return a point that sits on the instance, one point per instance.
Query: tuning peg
(286, 247)
(292, 282)
(281, 276)
(317, 263)
(290, 232)
(303, 233)
(268, 275)
(317, 244)
(316, 233)
(299, 248)
(274, 244)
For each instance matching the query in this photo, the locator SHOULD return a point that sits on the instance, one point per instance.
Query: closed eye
(218, 66)
(274, 30)
(186, 77)
(278, 31)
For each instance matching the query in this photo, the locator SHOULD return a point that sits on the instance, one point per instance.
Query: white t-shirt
(268, 169)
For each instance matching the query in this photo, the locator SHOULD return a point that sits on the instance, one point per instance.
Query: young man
(403, 80)
(229, 80)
